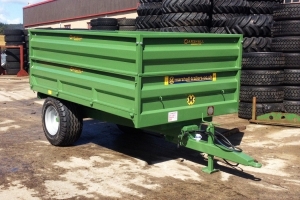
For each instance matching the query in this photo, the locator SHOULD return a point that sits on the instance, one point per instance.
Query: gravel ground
(108, 164)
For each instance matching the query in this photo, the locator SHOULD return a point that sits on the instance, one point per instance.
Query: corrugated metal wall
(66, 9)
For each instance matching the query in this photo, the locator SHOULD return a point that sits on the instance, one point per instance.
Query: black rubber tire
(263, 60)
(69, 119)
(245, 109)
(154, 8)
(184, 19)
(219, 30)
(148, 22)
(12, 51)
(14, 43)
(12, 71)
(278, 1)
(149, 1)
(14, 38)
(262, 77)
(286, 28)
(13, 58)
(291, 107)
(104, 22)
(286, 44)
(230, 6)
(25, 32)
(219, 20)
(291, 93)
(150, 29)
(287, 12)
(263, 94)
(127, 28)
(13, 32)
(292, 76)
(257, 44)
(251, 25)
(188, 29)
(13, 65)
(126, 22)
(262, 7)
(292, 60)
(175, 6)
(129, 130)
(108, 28)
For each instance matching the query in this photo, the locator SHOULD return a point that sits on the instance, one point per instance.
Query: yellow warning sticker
(50, 92)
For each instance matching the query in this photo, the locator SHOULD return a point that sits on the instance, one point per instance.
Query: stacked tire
(149, 15)
(223, 10)
(262, 70)
(186, 16)
(286, 32)
(26, 51)
(108, 24)
(127, 24)
(13, 37)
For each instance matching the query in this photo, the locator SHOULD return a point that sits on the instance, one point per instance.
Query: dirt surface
(108, 164)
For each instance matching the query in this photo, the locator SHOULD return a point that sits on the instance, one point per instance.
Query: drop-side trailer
(168, 83)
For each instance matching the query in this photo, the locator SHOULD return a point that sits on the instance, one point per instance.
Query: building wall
(53, 12)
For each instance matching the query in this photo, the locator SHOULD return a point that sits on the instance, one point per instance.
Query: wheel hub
(52, 120)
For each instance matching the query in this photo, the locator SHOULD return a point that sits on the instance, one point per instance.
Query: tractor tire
(14, 38)
(219, 20)
(12, 51)
(292, 60)
(188, 29)
(291, 107)
(292, 76)
(148, 22)
(257, 44)
(108, 28)
(8, 32)
(262, 7)
(291, 93)
(262, 77)
(184, 19)
(104, 22)
(287, 12)
(62, 122)
(286, 28)
(218, 30)
(175, 6)
(13, 65)
(245, 109)
(263, 94)
(154, 8)
(13, 58)
(263, 60)
(149, 1)
(13, 43)
(126, 22)
(230, 6)
(251, 25)
(12, 71)
(286, 44)
(150, 29)
(127, 28)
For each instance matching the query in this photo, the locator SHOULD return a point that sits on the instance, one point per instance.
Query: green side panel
(150, 79)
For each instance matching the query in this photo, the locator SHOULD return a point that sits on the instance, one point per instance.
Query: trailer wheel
(62, 122)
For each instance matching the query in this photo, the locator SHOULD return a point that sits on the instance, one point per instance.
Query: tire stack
(26, 51)
(186, 16)
(262, 70)
(126, 24)
(223, 10)
(286, 32)
(149, 15)
(109, 24)
(13, 37)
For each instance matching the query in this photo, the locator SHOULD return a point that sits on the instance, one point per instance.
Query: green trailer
(168, 83)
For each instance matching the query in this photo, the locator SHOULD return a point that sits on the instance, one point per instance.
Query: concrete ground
(108, 164)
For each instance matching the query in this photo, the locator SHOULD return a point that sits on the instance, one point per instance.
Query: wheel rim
(52, 120)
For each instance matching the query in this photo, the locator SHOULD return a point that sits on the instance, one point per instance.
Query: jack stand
(210, 158)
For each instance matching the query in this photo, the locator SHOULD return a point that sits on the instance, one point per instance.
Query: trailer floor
(108, 164)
